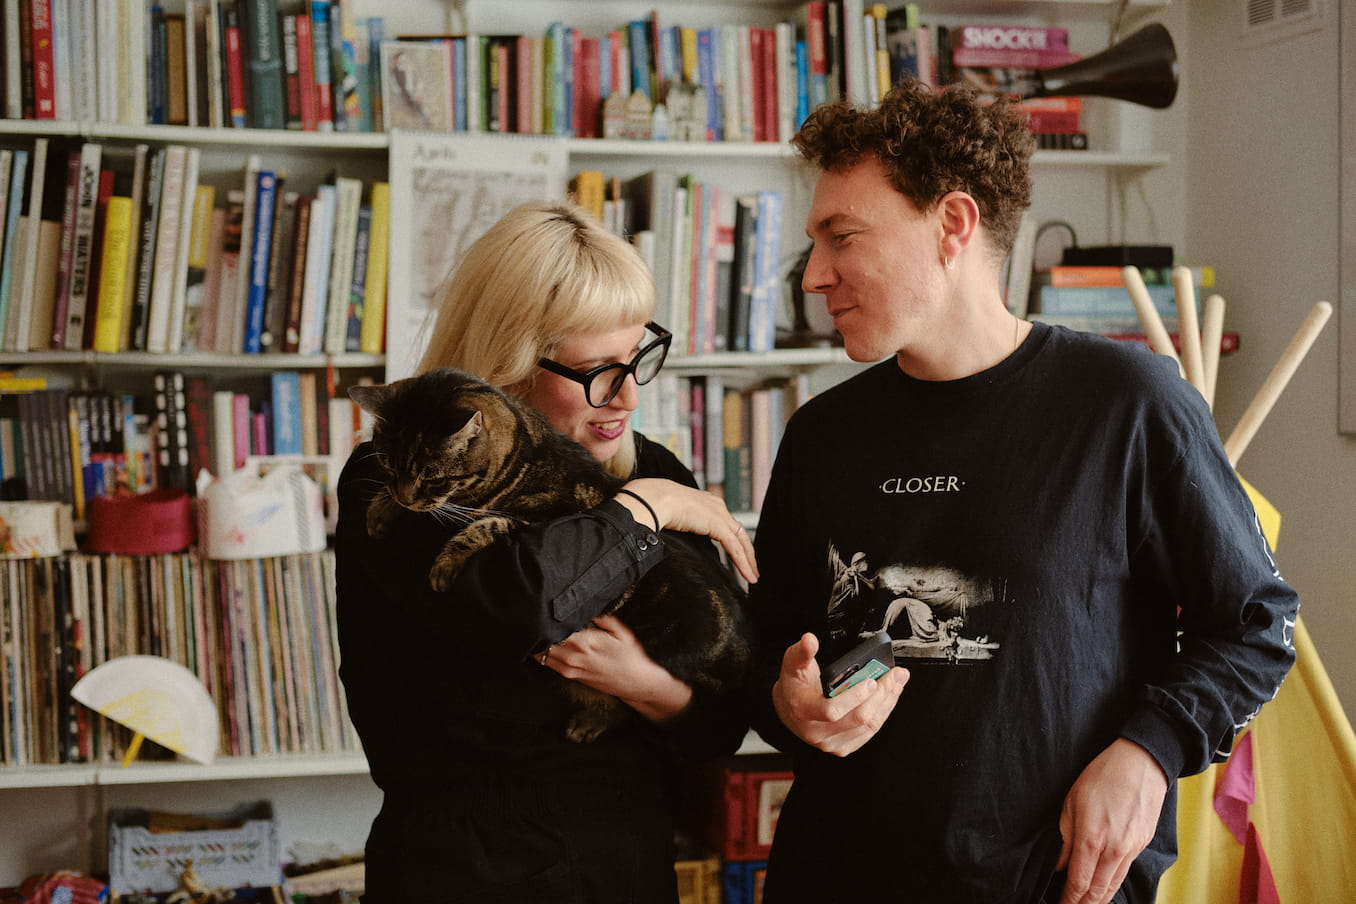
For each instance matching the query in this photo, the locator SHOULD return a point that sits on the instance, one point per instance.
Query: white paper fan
(156, 698)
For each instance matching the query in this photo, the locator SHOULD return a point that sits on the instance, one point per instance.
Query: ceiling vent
(1265, 21)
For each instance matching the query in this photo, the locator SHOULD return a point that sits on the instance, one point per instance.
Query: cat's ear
(370, 398)
(474, 426)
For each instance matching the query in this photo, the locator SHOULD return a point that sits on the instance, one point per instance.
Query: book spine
(234, 56)
(195, 276)
(261, 240)
(145, 259)
(320, 58)
(56, 326)
(279, 267)
(264, 65)
(296, 287)
(113, 281)
(357, 309)
(291, 71)
(286, 398)
(44, 60)
(348, 197)
(82, 251)
(373, 338)
(168, 231)
(307, 96)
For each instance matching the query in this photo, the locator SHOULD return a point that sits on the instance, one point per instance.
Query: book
(372, 339)
(264, 64)
(291, 72)
(743, 275)
(291, 336)
(261, 243)
(190, 325)
(348, 200)
(766, 289)
(358, 284)
(316, 285)
(113, 275)
(320, 61)
(56, 323)
(285, 393)
(233, 57)
(229, 312)
(175, 77)
(199, 411)
(248, 216)
(306, 90)
(1110, 276)
(169, 232)
(279, 268)
(1100, 300)
(139, 319)
(206, 339)
(82, 245)
(10, 259)
(416, 80)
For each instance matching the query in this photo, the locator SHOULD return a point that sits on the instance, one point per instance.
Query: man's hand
(1108, 818)
(837, 725)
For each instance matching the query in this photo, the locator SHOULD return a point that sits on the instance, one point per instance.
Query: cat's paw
(444, 572)
(589, 723)
(382, 512)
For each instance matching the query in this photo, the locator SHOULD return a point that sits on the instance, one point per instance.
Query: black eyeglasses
(644, 366)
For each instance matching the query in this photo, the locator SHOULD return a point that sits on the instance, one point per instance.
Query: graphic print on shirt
(933, 613)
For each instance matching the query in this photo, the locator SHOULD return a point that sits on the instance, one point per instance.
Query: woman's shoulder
(655, 460)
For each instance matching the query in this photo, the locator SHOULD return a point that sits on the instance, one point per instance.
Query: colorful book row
(263, 64)
(116, 247)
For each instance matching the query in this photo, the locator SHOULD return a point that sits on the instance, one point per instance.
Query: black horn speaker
(1141, 69)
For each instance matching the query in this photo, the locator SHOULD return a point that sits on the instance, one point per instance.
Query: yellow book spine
(588, 192)
(113, 275)
(688, 38)
(372, 339)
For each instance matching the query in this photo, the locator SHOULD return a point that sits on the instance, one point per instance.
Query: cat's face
(432, 437)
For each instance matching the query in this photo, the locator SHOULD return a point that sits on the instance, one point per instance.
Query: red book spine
(769, 84)
(306, 72)
(235, 73)
(44, 63)
(588, 89)
(523, 72)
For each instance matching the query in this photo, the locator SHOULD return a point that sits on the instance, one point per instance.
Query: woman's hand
(608, 658)
(683, 508)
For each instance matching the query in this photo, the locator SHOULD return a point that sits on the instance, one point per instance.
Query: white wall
(1262, 166)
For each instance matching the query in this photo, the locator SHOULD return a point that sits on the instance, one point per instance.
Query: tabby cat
(453, 445)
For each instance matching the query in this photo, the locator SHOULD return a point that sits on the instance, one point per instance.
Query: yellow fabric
(1304, 762)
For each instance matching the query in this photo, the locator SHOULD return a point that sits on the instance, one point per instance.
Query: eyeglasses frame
(585, 378)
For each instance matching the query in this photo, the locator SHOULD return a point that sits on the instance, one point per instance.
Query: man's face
(876, 260)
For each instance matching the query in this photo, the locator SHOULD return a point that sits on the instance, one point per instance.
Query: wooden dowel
(1188, 328)
(1212, 334)
(1276, 381)
(1159, 340)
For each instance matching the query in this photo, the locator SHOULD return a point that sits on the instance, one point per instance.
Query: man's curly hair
(932, 143)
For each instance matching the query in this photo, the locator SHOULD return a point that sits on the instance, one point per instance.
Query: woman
(485, 799)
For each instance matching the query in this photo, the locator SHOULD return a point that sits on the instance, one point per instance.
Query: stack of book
(117, 248)
(1094, 299)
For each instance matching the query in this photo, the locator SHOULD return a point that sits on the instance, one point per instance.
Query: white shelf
(149, 773)
(1100, 159)
(782, 357)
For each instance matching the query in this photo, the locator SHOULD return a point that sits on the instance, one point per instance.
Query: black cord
(637, 497)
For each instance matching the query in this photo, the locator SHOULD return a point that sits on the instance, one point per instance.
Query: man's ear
(958, 217)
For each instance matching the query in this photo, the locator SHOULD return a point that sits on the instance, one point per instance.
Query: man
(1073, 492)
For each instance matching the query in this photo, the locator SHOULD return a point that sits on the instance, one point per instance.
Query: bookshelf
(328, 797)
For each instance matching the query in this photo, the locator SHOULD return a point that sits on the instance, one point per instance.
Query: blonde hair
(543, 272)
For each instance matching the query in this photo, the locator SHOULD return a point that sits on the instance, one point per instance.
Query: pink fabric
(1236, 790)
